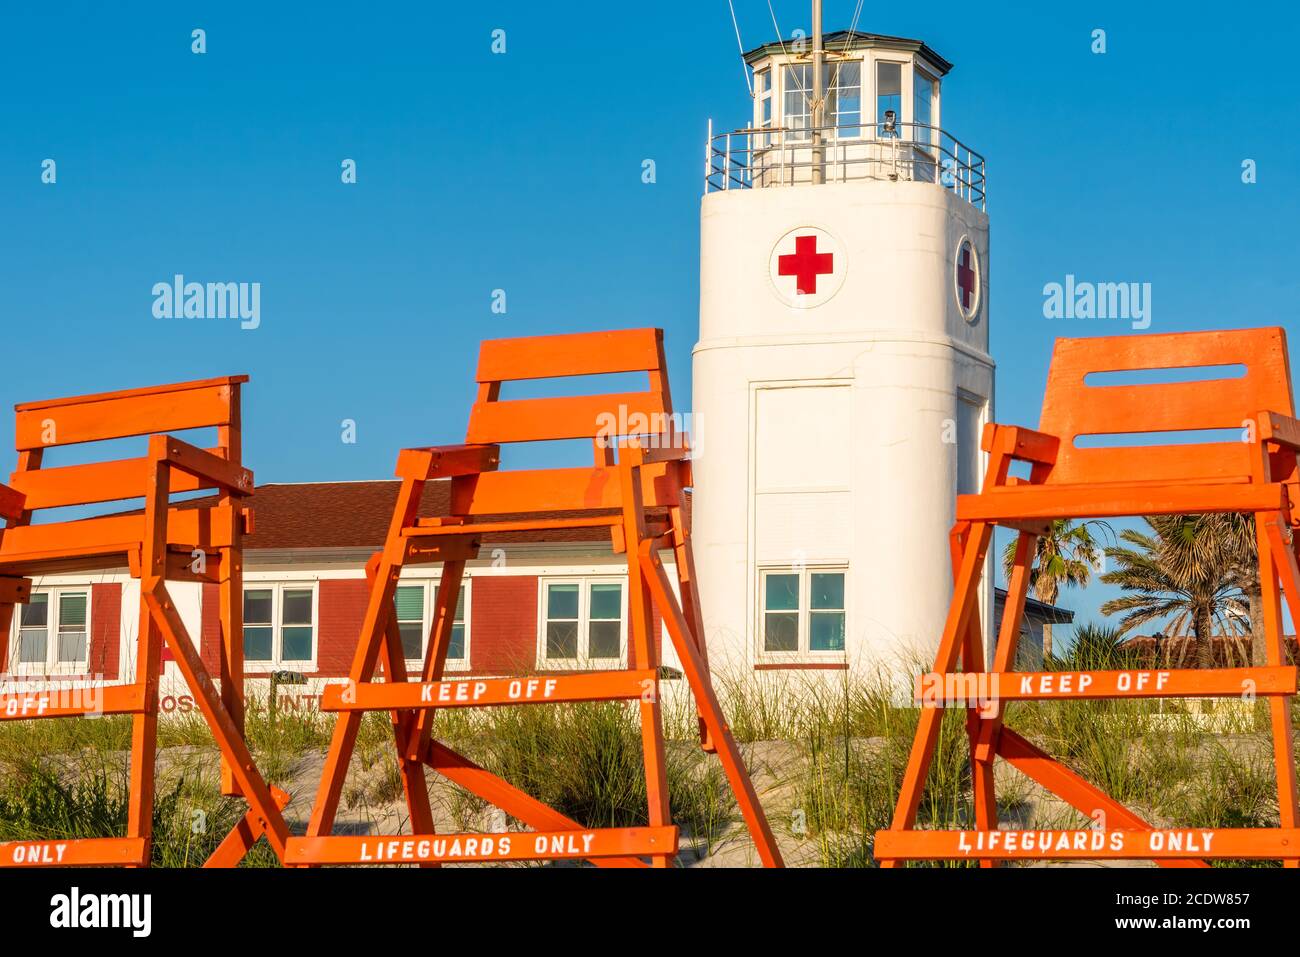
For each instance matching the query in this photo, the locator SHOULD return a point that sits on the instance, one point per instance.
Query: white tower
(842, 375)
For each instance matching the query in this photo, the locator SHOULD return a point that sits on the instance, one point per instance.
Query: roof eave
(839, 42)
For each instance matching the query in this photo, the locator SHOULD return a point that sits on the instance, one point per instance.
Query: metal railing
(780, 156)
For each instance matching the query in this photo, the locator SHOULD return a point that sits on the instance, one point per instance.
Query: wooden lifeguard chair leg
(965, 599)
(684, 561)
(643, 654)
(144, 731)
(393, 661)
(719, 731)
(1277, 563)
(435, 656)
(230, 600)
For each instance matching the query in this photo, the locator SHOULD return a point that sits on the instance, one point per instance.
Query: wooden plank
(1201, 462)
(488, 692)
(12, 503)
(85, 852)
(15, 590)
(567, 417)
(96, 482)
(110, 535)
(118, 415)
(968, 688)
(198, 462)
(129, 393)
(481, 848)
(447, 460)
(71, 702)
(1109, 501)
(583, 353)
(557, 490)
(1088, 845)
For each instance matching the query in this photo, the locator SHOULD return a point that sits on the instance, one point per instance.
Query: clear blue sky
(523, 172)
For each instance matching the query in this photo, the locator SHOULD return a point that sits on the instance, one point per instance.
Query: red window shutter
(503, 624)
(106, 629)
(342, 606)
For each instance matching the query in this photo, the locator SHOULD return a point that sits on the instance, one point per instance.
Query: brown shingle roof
(356, 515)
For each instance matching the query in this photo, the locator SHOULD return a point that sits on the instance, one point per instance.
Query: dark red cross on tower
(965, 277)
(806, 264)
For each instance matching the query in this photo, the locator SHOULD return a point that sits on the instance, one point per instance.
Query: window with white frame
(280, 626)
(889, 96)
(803, 611)
(584, 622)
(51, 633)
(923, 90)
(413, 606)
(796, 114)
(763, 102)
(844, 102)
(842, 82)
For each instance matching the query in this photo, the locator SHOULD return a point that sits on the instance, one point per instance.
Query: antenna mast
(819, 95)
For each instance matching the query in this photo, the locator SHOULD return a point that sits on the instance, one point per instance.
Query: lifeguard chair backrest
(599, 418)
(1075, 407)
(116, 415)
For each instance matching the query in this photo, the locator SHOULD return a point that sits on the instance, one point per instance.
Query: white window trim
(804, 655)
(277, 588)
(415, 666)
(581, 663)
(51, 667)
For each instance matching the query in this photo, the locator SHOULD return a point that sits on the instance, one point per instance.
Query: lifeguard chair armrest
(201, 464)
(445, 461)
(648, 456)
(1279, 428)
(11, 502)
(1018, 442)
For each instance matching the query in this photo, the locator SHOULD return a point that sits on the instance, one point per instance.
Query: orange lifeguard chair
(164, 542)
(1256, 475)
(637, 495)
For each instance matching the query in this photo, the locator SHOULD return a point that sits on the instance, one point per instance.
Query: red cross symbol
(965, 277)
(806, 264)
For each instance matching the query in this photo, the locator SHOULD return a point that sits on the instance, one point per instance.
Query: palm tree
(1066, 556)
(1190, 569)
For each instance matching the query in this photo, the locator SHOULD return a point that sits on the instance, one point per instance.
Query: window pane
(257, 643)
(798, 96)
(297, 607)
(456, 647)
(561, 639)
(408, 601)
(412, 639)
(71, 647)
(460, 604)
(889, 92)
(828, 590)
(32, 644)
(72, 610)
(781, 631)
(606, 601)
(922, 106)
(846, 99)
(36, 612)
(296, 642)
(827, 631)
(257, 606)
(562, 601)
(781, 593)
(604, 639)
